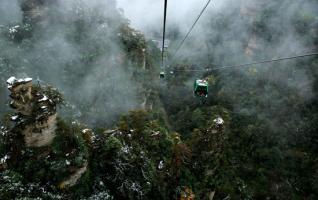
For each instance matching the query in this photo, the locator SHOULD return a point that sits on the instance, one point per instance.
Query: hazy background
(147, 15)
(106, 88)
(224, 36)
(233, 32)
(75, 47)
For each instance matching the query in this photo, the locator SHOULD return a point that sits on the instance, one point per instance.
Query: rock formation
(38, 136)
(35, 112)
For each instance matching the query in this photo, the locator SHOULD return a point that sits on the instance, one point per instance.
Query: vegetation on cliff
(114, 130)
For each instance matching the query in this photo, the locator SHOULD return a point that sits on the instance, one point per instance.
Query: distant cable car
(162, 75)
(201, 88)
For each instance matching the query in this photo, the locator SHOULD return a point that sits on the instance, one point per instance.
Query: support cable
(252, 63)
(189, 32)
(164, 34)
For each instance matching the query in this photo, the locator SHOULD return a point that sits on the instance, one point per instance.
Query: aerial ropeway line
(201, 85)
(162, 73)
(252, 63)
(189, 32)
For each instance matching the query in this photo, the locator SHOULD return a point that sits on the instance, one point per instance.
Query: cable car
(162, 75)
(200, 88)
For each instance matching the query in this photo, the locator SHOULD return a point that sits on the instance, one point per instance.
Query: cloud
(10, 11)
(74, 46)
(75, 29)
(147, 15)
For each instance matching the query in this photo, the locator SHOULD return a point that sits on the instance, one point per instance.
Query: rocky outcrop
(249, 11)
(63, 146)
(73, 179)
(40, 134)
(35, 113)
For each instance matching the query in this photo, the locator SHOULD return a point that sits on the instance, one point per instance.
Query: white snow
(156, 133)
(125, 149)
(11, 80)
(218, 121)
(14, 29)
(3, 131)
(43, 99)
(4, 159)
(85, 130)
(25, 80)
(13, 118)
(67, 162)
(135, 186)
(161, 164)
(28, 80)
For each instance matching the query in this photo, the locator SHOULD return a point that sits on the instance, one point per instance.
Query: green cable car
(201, 88)
(162, 75)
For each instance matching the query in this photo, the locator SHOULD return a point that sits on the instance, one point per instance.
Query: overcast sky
(147, 15)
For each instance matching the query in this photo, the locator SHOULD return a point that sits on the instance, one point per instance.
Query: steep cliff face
(59, 41)
(35, 115)
(39, 146)
(249, 11)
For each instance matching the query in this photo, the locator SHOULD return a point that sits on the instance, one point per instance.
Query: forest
(85, 114)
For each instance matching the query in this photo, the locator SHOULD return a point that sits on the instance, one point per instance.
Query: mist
(250, 133)
(223, 36)
(10, 11)
(58, 53)
(147, 15)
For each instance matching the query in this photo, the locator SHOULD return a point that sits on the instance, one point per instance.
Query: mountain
(86, 116)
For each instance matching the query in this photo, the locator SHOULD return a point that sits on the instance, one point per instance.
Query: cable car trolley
(162, 75)
(201, 88)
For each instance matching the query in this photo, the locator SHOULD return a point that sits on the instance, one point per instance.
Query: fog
(66, 35)
(147, 15)
(10, 11)
(223, 36)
